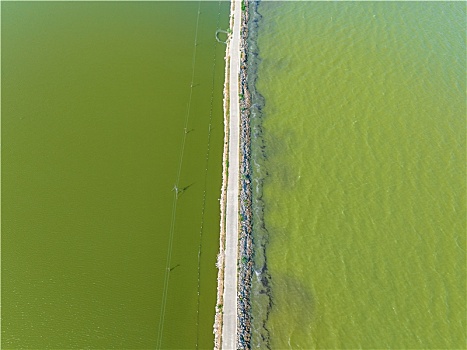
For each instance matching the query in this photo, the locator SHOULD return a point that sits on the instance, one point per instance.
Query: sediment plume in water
(363, 178)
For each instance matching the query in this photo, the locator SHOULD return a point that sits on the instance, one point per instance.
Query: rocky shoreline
(261, 283)
(245, 252)
(252, 248)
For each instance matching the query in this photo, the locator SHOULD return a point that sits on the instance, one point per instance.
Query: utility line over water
(89, 166)
(205, 178)
(175, 196)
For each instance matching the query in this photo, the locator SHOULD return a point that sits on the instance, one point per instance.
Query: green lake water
(96, 97)
(364, 193)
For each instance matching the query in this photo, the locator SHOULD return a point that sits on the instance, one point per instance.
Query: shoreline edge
(236, 120)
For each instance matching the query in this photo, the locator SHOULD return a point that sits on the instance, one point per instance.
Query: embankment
(245, 252)
(245, 241)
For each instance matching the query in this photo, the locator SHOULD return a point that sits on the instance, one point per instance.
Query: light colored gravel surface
(229, 327)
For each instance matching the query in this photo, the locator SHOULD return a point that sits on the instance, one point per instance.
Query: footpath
(229, 319)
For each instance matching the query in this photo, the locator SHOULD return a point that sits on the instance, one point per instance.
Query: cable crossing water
(205, 179)
(175, 196)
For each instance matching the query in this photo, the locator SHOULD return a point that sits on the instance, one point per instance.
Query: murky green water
(364, 198)
(94, 102)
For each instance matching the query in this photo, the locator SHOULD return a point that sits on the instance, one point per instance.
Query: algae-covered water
(363, 173)
(98, 100)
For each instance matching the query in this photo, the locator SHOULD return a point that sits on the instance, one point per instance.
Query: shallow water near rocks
(363, 176)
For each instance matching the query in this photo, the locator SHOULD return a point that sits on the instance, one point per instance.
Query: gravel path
(229, 327)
